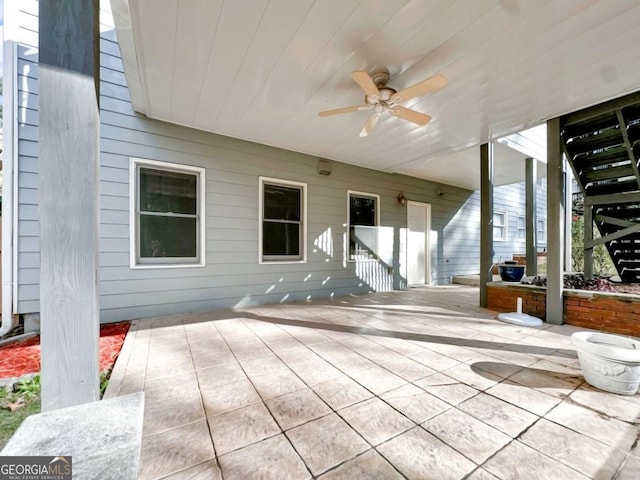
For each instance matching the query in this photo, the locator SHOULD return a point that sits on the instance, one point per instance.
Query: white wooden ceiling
(261, 70)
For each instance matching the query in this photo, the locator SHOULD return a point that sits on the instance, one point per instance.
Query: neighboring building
(509, 206)
(191, 221)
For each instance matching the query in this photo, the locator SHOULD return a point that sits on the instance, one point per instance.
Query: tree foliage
(602, 263)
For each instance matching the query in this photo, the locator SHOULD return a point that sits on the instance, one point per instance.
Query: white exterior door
(418, 254)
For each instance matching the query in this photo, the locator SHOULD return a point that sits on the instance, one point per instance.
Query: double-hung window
(499, 226)
(282, 221)
(364, 218)
(542, 231)
(522, 228)
(167, 224)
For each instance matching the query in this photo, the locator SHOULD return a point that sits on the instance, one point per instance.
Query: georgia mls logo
(36, 468)
(60, 466)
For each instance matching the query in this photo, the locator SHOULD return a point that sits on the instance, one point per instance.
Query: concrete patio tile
(560, 368)
(398, 345)
(582, 453)
(217, 376)
(276, 384)
(513, 357)
(375, 420)
(350, 363)
(330, 349)
(476, 378)
(205, 471)
(418, 455)
(228, 397)
(415, 403)
(493, 365)
(406, 368)
(446, 388)
(594, 424)
(524, 397)
(412, 355)
(172, 412)
(456, 352)
(163, 454)
(326, 442)
(241, 427)
(266, 460)
(369, 465)
(377, 379)
(341, 392)
(210, 354)
(250, 350)
(171, 386)
(296, 408)
(315, 371)
(499, 414)
(542, 381)
(263, 365)
(309, 336)
(481, 474)
(283, 344)
(434, 360)
(519, 461)
(620, 407)
(297, 355)
(474, 439)
(630, 470)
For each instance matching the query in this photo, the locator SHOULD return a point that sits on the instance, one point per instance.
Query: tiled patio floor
(418, 384)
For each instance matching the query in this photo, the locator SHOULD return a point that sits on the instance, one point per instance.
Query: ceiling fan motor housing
(385, 95)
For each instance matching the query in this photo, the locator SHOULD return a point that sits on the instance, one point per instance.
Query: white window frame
(523, 229)
(356, 193)
(503, 226)
(134, 217)
(542, 221)
(303, 240)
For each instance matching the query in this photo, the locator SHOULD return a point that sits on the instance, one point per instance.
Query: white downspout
(9, 163)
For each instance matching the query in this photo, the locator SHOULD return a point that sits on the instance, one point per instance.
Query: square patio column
(556, 224)
(486, 220)
(69, 155)
(568, 221)
(531, 215)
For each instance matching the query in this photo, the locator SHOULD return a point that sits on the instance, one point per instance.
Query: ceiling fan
(381, 98)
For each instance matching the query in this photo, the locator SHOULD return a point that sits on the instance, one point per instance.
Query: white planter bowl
(609, 362)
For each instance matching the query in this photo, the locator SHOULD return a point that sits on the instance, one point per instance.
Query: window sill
(280, 262)
(152, 266)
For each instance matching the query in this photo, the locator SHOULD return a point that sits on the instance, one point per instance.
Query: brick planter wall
(608, 312)
(503, 298)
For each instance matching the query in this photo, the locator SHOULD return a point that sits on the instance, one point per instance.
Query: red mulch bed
(24, 357)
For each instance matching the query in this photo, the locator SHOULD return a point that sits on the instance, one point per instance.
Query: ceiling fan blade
(363, 79)
(370, 124)
(422, 88)
(410, 115)
(337, 111)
